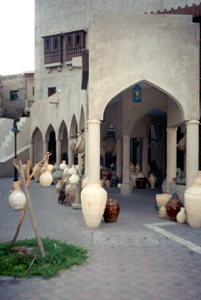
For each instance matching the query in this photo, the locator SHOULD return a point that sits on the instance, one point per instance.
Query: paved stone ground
(129, 259)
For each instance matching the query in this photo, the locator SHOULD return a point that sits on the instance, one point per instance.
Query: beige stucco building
(90, 55)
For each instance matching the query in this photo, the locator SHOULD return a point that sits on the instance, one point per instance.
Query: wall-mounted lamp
(137, 93)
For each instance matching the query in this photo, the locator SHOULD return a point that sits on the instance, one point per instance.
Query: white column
(70, 155)
(31, 154)
(171, 155)
(126, 186)
(94, 152)
(58, 153)
(192, 151)
(86, 152)
(119, 157)
(145, 156)
(45, 148)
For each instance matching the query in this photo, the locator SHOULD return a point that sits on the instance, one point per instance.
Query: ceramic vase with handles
(63, 165)
(17, 198)
(192, 200)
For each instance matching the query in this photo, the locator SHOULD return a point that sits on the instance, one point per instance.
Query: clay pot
(141, 182)
(192, 200)
(37, 173)
(46, 178)
(59, 186)
(162, 213)
(70, 194)
(173, 207)
(111, 211)
(181, 216)
(63, 165)
(17, 198)
(107, 183)
(43, 169)
(152, 180)
(106, 175)
(162, 199)
(93, 199)
(74, 178)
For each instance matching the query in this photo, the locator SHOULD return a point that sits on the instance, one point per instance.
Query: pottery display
(43, 169)
(57, 175)
(80, 144)
(37, 173)
(17, 198)
(137, 168)
(173, 207)
(70, 194)
(71, 170)
(105, 174)
(59, 185)
(46, 178)
(111, 211)
(93, 199)
(162, 199)
(107, 183)
(181, 216)
(63, 165)
(74, 178)
(162, 213)
(192, 200)
(66, 170)
(141, 181)
(152, 180)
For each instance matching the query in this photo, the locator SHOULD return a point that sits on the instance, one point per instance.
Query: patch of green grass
(59, 256)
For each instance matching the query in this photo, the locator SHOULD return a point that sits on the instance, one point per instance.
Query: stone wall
(14, 83)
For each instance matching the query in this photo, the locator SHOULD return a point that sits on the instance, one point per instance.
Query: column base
(126, 189)
(76, 206)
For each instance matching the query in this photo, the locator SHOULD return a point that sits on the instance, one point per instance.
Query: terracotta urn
(71, 170)
(141, 181)
(111, 211)
(17, 198)
(46, 178)
(173, 207)
(192, 201)
(59, 185)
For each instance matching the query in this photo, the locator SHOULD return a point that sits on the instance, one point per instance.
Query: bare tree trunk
(40, 244)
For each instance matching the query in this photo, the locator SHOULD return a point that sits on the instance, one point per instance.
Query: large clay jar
(173, 207)
(17, 198)
(152, 180)
(46, 178)
(93, 199)
(111, 211)
(192, 200)
(141, 181)
(74, 178)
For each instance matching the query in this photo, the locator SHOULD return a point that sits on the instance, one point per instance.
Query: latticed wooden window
(74, 43)
(53, 49)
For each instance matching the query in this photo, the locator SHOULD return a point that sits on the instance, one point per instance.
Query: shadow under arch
(118, 96)
(63, 137)
(50, 139)
(37, 140)
(82, 120)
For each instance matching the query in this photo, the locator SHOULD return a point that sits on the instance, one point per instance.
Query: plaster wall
(68, 15)
(160, 49)
(58, 107)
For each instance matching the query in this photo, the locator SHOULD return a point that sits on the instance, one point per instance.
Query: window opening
(14, 95)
